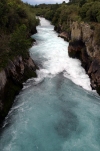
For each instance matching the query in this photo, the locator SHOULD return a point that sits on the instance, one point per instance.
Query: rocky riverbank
(84, 46)
(11, 81)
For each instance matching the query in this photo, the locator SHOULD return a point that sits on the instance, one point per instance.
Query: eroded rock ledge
(83, 45)
(64, 35)
(11, 81)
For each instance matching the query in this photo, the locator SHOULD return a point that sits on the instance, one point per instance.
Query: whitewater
(57, 111)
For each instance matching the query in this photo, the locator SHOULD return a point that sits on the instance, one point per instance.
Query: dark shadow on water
(67, 125)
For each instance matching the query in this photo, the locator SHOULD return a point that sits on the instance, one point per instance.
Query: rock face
(94, 72)
(64, 35)
(83, 46)
(11, 81)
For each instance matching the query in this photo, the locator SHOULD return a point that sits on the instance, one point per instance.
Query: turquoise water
(57, 111)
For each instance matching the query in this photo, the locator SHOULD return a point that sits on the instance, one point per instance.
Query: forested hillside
(80, 10)
(17, 23)
(63, 14)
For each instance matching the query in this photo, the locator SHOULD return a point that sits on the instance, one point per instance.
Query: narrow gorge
(57, 111)
(50, 76)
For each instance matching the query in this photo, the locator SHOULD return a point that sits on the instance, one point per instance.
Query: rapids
(57, 111)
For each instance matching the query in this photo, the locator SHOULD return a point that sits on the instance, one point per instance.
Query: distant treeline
(75, 10)
(62, 15)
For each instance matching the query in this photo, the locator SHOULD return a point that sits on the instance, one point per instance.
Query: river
(57, 111)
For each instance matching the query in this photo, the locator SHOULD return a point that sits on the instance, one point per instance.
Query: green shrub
(19, 42)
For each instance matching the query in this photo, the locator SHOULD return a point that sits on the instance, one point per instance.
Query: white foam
(77, 74)
(54, 51)
(42, 73)
(44, 22)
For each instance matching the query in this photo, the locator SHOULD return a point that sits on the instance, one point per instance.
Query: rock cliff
(11, 81)
(64, 35)
(84, 46)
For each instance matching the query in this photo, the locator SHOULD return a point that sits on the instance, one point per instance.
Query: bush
(90, 12)
(19, 42)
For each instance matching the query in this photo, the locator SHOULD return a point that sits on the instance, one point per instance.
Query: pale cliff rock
(83, 31)
(83, 46)
(76, 31)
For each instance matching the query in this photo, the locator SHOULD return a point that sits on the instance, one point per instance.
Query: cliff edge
(84, 45)
(11, 81)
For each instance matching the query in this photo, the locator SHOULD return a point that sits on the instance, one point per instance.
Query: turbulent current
(57, 111)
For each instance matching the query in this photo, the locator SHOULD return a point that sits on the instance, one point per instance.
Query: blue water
(57, 111)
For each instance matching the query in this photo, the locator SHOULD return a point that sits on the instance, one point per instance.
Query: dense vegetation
(62, 15)
(17, 23)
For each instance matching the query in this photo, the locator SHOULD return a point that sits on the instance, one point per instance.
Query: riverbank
(83, 45)
(11, 79)
(46, 115)
(16, 66)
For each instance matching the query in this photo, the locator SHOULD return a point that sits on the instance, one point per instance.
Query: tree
(19, 42)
